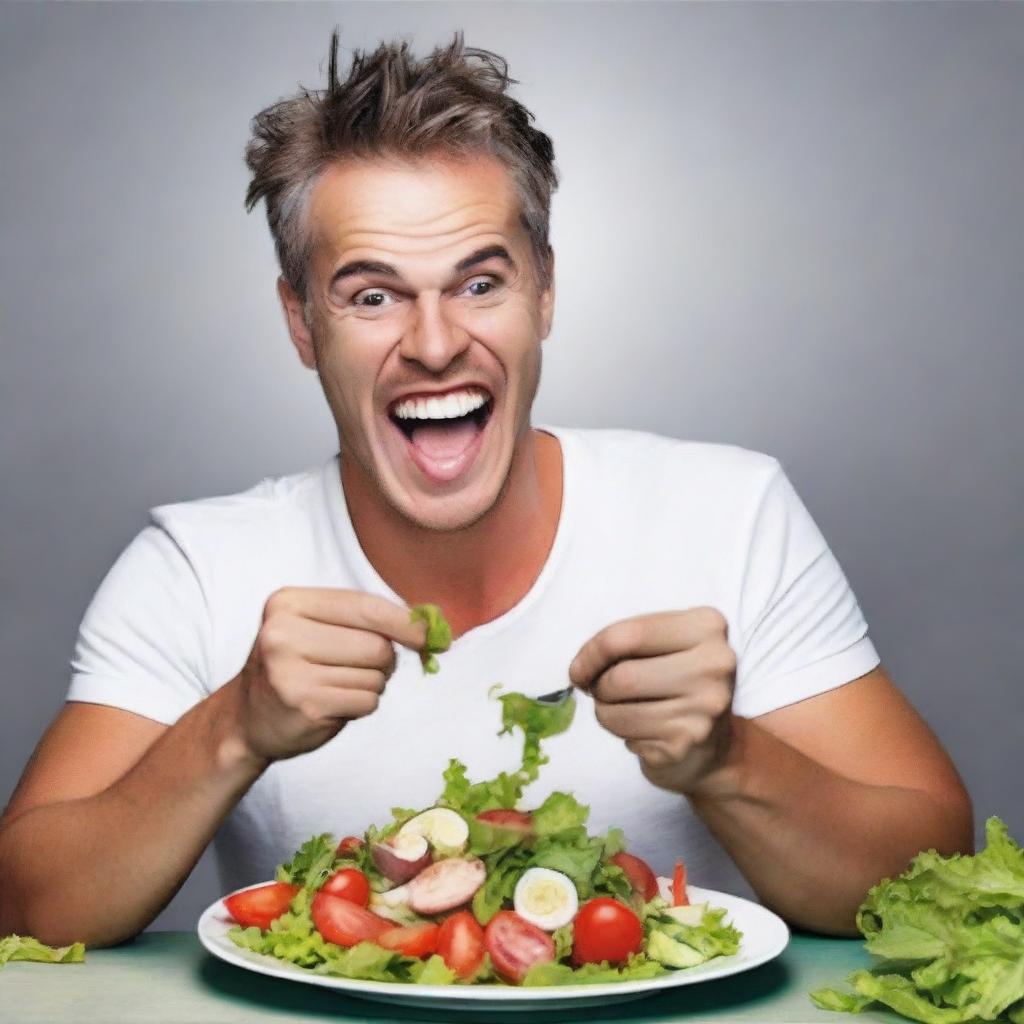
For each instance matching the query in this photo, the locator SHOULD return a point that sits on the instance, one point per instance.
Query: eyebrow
(356, 267)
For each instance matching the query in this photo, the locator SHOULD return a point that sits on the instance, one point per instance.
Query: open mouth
(443, 432)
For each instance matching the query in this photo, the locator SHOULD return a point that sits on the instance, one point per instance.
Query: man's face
(426, 325)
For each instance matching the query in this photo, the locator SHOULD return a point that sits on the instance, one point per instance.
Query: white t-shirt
(648, 524)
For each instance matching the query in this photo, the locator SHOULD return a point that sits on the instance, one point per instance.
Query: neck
(478, 573)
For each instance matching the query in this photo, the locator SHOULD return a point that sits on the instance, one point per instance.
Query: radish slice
(402, 857)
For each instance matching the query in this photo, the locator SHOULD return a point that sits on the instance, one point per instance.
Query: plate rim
(213, 924)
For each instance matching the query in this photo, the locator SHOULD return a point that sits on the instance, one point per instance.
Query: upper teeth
(444, 407)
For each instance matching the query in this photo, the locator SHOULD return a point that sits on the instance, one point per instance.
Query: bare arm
(815, 802)
(112, 815)
(114, 809)
(820, 800)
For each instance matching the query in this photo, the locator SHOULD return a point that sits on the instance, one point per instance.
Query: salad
(476, 890)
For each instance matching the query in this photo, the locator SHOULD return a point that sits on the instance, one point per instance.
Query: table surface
(168, 978)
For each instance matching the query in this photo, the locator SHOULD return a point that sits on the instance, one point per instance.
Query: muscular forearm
(812, 842)
(99, 869)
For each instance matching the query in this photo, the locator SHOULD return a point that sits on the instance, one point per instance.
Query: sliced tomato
(605, 929)
(349, 845)
(641, 877)
(460, 942)
(679, 895)
(261, 905)
(515, 945)
(348, 884)
(346, 923)
(415, 940)
(500, 817)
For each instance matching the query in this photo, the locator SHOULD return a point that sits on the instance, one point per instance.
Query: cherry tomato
(640, 876)
(606, 929)
(516, 945)
(461, 943)
(348, 884)
(679, 894)
(261, 905)
(518, 821)
(349, 845)
(345, 923)
(415, 940)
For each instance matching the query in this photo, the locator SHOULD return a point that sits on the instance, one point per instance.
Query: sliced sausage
(446, 885)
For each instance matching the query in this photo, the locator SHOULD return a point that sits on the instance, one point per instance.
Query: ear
(547, 297)
(298, 329)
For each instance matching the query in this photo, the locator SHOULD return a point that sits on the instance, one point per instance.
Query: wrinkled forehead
(412, 209)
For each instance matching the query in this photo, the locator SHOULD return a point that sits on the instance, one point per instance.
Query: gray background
(798, 228)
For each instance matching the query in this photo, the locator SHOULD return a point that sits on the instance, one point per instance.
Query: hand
(664, 683)
(320, 659)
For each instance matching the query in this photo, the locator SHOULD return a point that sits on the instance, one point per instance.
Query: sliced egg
(545, 898)
(446, 830)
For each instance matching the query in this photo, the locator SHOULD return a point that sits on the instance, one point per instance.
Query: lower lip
(444, 472)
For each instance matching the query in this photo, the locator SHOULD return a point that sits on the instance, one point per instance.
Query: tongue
(444, 441)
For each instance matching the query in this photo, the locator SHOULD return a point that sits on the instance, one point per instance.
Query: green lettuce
(637, 968)
(538, 721)
(950, 931)
(312, 863)
(439, 635)
(433, 971)
(503, 871)
(24, 947)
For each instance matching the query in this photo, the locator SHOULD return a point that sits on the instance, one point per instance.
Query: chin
(449, 515)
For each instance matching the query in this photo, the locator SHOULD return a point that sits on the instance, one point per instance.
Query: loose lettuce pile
(558, 839)
(24, 947)
(951, 932)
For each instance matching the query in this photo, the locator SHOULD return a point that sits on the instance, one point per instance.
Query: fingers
(329, 704)
(351, 608)
(646, 636)
(659, 720)
(341, 677)
(680, 674)
(321, 644)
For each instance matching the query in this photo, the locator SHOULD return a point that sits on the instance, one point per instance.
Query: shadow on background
(697, 1001)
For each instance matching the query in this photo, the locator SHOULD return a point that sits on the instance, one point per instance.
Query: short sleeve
(144, 642)
(801, 631)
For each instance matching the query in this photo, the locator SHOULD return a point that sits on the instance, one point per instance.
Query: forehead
(411, 208)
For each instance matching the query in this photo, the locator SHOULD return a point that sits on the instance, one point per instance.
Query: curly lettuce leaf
(439, 635)
(503, 871)
(312, 863)
(25, 947)
(561, 814)
(470, 798)
(367, 961)
(951, 932)
(637, 968)
(433, 972)
(563, 939)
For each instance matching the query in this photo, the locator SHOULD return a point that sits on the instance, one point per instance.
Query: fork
(555, 697)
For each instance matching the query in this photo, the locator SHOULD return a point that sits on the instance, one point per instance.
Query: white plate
(765, 936)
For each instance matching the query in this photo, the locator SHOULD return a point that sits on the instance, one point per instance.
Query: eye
(372, 297)
(481, 286)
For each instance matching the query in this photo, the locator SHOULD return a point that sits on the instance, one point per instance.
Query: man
(230, 673)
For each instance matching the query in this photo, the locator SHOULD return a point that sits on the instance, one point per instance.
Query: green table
(165, 977)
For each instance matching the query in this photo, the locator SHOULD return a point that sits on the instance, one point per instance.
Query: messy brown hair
(453, 101)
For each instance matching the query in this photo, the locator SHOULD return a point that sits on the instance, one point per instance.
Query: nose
(431, 338)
